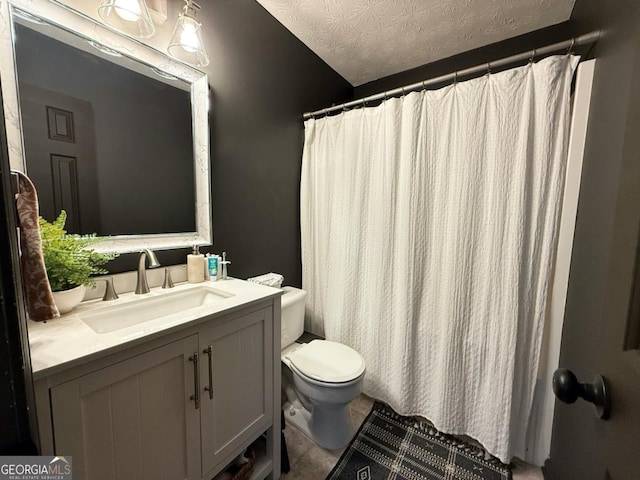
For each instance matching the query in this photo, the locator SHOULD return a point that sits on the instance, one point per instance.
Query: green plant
(68, 261)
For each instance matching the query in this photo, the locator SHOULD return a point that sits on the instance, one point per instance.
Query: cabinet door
(132, 420)
(240, 405)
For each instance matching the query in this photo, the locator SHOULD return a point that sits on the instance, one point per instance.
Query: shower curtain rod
(568, 45)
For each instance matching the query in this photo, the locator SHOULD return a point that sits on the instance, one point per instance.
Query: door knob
(568, 389)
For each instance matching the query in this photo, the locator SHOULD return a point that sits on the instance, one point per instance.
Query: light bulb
(189, 38)
(127, 10)
(130, 17)
(186, 44)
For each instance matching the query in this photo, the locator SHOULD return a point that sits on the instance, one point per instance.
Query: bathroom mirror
(109, 129)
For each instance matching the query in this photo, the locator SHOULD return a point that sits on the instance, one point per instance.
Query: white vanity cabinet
(237, 403)
(133, 419)
(179, 406)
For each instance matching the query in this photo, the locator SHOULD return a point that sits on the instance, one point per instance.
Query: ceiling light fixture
(130, 17)
(187, 44)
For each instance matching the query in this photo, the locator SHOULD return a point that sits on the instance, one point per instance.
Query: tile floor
(311, 462)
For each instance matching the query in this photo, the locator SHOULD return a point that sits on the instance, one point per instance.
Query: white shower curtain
(429, 227)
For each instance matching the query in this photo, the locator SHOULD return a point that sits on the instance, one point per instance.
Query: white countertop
(67, 341)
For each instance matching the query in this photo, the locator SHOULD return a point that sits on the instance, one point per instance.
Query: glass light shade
(187, 44)
(130, 17)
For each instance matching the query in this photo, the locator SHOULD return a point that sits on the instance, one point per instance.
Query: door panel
(60, 148)
(622, 369)
(597, 330)
(132, 420)
(620, 359)
(242, 365)
(64, 180)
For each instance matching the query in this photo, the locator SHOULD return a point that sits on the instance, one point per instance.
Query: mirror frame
(64, 17)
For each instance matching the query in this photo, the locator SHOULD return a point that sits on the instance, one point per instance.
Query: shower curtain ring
(385, 94)
(533, 54)
(424, 85)
(455, 78)
(402, 88)
(573, 42)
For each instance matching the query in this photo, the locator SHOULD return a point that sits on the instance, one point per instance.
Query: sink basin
(145, 309)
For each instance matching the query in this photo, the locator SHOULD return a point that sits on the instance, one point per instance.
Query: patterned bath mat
(390, 446)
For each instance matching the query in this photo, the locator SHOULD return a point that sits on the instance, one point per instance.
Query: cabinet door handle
(209, 352)
(196, 380)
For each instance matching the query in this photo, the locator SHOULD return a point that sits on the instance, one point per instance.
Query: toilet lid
(327, 361)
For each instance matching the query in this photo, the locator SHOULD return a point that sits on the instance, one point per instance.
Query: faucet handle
(168, 282)
(109, 291)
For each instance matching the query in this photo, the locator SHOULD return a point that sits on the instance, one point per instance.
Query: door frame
(538, 440)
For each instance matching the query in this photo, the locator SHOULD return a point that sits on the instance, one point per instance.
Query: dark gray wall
(262, 80)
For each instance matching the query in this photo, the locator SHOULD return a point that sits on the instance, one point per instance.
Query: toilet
(320, 378)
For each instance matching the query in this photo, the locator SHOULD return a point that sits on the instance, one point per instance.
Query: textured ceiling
(364, 40)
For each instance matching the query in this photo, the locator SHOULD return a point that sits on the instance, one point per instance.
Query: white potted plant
(69, 262)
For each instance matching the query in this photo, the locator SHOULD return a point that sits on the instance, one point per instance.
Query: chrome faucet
(142, 285)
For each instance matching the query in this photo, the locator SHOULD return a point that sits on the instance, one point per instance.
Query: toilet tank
(292, 304)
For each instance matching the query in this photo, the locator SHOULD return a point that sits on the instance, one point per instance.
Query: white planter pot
(67, 300)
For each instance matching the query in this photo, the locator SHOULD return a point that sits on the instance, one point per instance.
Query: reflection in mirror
(109, 145)
(116, 136)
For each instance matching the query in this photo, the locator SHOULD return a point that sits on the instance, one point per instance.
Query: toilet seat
(327, 362)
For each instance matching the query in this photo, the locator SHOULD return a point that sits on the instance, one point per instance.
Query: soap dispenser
(195, 266)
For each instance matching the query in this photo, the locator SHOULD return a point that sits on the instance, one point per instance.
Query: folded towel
(268, 279)
(40, 303)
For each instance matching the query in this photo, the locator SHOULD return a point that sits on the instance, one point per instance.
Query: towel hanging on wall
(40, 303)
